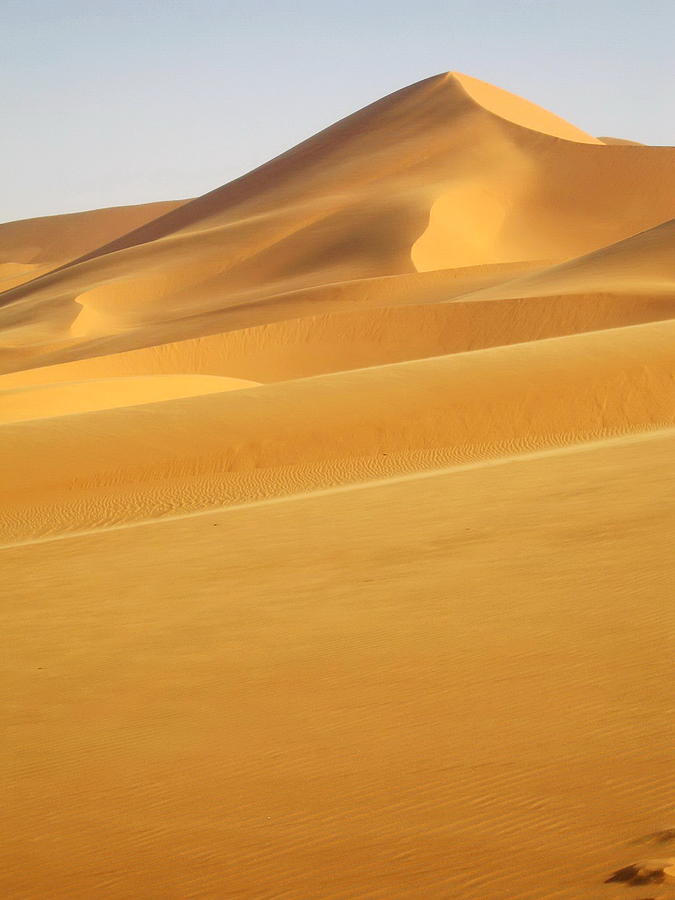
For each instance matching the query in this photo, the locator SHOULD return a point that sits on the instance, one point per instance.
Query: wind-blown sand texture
(337, 522)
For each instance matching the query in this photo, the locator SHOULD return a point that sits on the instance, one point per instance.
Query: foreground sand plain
(337, 517)
(452, 685)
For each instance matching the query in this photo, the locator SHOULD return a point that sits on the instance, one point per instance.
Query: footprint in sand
(647, 871)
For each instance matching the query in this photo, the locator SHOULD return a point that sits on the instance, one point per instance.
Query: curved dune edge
(622, 142)
(462, 407)
(68, 398)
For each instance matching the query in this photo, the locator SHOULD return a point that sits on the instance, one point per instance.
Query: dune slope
(643, 263)
(372, 321)
(226, 447)
(67, 398)
(31, 247)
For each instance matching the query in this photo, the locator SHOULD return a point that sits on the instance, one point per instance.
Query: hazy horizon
(121, 104)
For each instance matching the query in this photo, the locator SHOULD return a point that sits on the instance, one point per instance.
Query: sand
(374, 693)
(33, 247)
(336, 522)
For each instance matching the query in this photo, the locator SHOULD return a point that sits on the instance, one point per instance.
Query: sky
(109, 103)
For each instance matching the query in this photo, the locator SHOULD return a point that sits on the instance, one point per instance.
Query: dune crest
(521, 112)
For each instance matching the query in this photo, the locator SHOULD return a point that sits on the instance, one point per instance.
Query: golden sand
(336, 529)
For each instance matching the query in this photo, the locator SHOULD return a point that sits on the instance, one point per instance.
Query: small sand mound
(648, 871)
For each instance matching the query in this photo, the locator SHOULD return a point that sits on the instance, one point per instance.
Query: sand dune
(67, 398)
(371, 322)
(208, 450)
(426, 179)
(624, 141)
(357, 338)
(335, 524)
(357, 294)
(626, 283)
(644, 263)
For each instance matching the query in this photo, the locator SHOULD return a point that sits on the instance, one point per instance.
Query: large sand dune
(336, 521)
(426, 179)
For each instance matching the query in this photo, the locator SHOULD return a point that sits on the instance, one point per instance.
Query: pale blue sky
(106, 103)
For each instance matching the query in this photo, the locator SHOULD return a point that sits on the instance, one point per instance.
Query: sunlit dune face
(521, 112)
